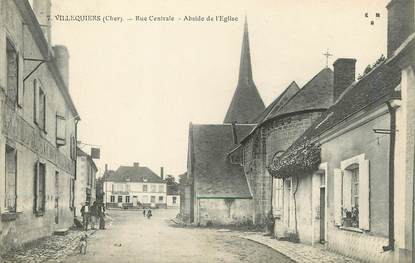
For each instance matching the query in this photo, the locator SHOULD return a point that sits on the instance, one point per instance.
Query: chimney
(136, 164)
(234, 135)
(106, 167)
(162, 172)
(62, 62)
(401, 23)
(344, 75)
(42, 8)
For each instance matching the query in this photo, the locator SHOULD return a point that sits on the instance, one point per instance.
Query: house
(85, 184)
(347, 181)
(38, 127)
(214, 190)
(135, 186)
(173, 195)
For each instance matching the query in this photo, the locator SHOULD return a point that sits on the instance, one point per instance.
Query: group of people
(147, 213)
(93, 215)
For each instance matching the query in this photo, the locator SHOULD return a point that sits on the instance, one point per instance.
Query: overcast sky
(137, 85)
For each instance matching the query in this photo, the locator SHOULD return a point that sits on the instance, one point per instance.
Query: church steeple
(246, 102)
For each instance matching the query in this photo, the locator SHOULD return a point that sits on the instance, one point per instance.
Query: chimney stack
(401, 23)
(344, 75)
(136, 164)
(162, 172)
(106, 167)
(62, 62)
(42, 10)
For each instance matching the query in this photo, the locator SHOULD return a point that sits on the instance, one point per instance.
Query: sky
(138, 84)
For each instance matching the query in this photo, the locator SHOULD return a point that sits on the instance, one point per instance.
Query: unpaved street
(132, 238)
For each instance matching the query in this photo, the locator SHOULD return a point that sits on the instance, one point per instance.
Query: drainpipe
(391, 235)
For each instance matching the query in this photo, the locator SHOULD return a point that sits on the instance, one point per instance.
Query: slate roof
(246, 102)
(374, 89)
(214, 175)
(316, 94)
(140, 174)
(290, 91)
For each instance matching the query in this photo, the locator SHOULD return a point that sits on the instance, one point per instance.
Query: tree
(170, 180)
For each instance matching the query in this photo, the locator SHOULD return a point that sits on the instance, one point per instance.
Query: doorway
(322, 214)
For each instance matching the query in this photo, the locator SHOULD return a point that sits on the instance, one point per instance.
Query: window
(351, 193)
(13, 93)
(112, 199)
(120, 199)
(161, 188)
(145, 188)
(11, 174)
(60, 130)
(40, 193)
(278, 199)
(39, 105)
(174, 199)
(160, 199)
(153, 199)
(127, 199)
(153, 188)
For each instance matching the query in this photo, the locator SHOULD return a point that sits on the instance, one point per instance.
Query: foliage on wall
(299, 160)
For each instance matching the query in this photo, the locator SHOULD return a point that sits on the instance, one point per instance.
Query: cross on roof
(327, 55)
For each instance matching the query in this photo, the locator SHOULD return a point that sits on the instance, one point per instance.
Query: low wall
(225, 211)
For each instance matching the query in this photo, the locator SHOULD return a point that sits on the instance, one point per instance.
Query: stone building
(134, 186)
(38, 127)
(85, 184)
(348, 180)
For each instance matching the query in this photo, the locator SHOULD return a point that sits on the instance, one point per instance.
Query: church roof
(316, 94)
(279, 102)
(246, 102)
(214, 175)
(140, 174)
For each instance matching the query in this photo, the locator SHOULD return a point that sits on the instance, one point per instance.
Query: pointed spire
(245, 67)
(246, 103)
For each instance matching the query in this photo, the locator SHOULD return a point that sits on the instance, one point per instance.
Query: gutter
(391, 234)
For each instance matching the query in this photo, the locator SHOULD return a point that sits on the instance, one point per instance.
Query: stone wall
(225, 211)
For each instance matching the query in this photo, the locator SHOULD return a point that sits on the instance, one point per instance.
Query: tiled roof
(374, 89)
(138, 174)
(214, 175)
(316, 94)
(290, 91)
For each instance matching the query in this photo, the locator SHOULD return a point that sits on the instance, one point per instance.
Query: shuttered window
(11, 179)
(60, 130)
(12, 58)
(39, 102)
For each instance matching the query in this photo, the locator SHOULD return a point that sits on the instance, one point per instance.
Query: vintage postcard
(207, 131)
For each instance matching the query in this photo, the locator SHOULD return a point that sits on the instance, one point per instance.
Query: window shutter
(36, 100)
(20, 84)
(364, 190)
(35, 187)
(337, 197)
(44, 112)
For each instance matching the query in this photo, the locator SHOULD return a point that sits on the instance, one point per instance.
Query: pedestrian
(85, 215)
(149, 214)
(144, 212)
(94, 215)
(101, 216)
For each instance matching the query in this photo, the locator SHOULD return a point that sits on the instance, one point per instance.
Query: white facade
(135, 193)
(173, 201)
(85, 184)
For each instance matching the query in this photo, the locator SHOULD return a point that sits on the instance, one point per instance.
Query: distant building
(173, 195)
(135, 186)
(38, 127)
(85, 185)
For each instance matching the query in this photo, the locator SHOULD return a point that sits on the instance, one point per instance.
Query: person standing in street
(144, 212)
(85, 215)
(149, 214)
(101, 216)
(94, 215)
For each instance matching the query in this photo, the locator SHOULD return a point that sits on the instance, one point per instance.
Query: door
(322, 213)
(56, 197)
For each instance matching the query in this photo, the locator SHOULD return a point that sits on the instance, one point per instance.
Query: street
(130, 237)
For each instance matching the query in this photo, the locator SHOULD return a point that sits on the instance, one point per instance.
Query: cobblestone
(299, 252)
(49, 249)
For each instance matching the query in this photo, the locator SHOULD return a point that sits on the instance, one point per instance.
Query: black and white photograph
(175, 131)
